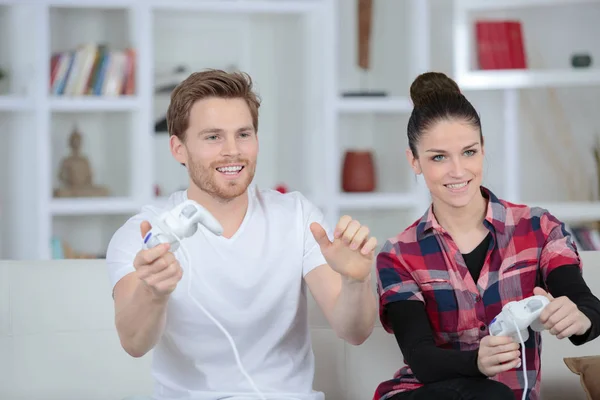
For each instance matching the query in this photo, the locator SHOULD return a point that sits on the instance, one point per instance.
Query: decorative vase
(358, 172)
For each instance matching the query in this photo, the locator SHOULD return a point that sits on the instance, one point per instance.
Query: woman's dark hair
(436, 97)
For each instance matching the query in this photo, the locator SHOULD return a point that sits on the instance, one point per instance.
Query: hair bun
(430, 85)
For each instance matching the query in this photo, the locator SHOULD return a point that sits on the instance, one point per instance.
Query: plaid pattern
(424, 264)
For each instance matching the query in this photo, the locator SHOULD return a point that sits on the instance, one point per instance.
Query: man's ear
(413, 162)
(178, 150)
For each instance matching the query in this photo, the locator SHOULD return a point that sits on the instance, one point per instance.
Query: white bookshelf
(305, 126)
(118, 130)
(301, 123)
(393, 71)
(512, 83)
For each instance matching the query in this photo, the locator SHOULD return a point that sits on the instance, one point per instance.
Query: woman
(444, 278)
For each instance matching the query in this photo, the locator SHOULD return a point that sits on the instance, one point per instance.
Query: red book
(483, 36)
(500, 45)
(516, 45)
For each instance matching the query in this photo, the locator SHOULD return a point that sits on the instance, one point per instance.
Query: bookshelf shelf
(366, 201)
(15, 103)
(518, 79)
(91, 103)
(374, 105)
(482, 5)
(246, 7)
(93, 206)
(573, 212)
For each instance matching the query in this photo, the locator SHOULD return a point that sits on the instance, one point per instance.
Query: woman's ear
(413, 161)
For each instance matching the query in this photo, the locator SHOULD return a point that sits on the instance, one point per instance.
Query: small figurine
(76, 173)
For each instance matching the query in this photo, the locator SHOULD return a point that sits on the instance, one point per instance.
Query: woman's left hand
(562, 317)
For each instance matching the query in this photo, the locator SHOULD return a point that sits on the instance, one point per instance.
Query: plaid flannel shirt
(424, 264)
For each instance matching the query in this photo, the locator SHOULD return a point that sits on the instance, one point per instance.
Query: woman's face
(450, 157)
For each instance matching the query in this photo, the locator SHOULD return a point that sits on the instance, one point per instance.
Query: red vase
(358, 172)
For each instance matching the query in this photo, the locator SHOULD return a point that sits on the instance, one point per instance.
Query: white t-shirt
(253, 285)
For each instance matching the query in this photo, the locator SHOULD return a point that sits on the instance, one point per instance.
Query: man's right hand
(157, 267)
(497, 354)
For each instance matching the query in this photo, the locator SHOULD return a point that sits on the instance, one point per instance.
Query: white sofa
(58, 342)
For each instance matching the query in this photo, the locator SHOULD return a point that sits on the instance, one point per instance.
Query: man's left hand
(352, 251)
(562, 317)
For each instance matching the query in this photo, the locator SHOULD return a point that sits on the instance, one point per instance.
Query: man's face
(220, 147)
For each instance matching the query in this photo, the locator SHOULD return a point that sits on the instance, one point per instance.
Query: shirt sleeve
(394, 281)
(568, 281)
(428, 362)
(124, 245)
(312, 256)
(559, 247)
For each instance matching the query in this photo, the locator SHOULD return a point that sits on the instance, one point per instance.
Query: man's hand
(497, 354)
(157, 267)
(351, 253)
(562, 317)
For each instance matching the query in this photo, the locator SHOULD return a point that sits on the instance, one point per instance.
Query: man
(253, 278)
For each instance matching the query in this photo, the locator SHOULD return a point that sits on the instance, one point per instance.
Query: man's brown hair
(205, 84)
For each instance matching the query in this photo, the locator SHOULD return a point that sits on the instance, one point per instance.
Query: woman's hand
(498, 354)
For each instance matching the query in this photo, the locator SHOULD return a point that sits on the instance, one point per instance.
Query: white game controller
(179, 223)
(519, 314)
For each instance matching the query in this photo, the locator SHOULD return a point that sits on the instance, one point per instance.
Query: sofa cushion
(588, 368)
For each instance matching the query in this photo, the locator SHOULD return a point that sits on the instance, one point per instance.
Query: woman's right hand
(497, 354)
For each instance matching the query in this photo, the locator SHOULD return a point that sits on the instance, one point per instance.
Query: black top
(430, 363)
(476, 258)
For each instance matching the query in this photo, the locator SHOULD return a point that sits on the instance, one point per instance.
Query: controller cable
(523, 356)
(212, 318)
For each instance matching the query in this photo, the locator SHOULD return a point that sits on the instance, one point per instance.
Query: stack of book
(500, 45)
(93, 69)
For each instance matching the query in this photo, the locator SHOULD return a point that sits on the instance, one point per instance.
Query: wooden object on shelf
(76, 173)
(364, 30)
(358, 173)
(365, 21)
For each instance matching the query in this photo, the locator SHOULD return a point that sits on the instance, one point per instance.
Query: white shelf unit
(512, 83)
(118, 131)
(351, 119)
